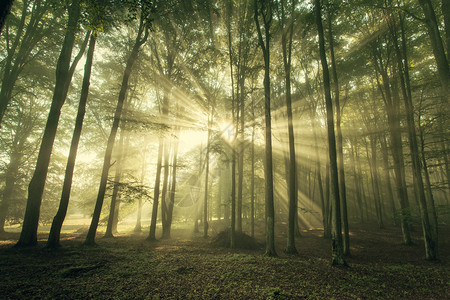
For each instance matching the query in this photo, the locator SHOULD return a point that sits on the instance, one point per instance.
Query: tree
(141, 38)
(31, 29)
(430, 235)
(286, 42)
(264, 10)
(337, 245)
(53, 239)
(28, 235)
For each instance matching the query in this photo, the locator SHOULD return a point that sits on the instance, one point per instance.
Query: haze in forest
(244, 116)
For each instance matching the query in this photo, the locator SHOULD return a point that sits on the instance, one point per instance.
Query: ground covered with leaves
(129, 267)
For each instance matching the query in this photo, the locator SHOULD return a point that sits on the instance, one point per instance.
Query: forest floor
(188, 266)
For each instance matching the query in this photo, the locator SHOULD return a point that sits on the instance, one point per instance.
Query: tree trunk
(54, 236)
(205, 203)
(263, 8)
(337, 245)
(165, 185)
(431, 246)
(356, 181)
(240, 106)
(252, 179)
(28, 236)
(340, 151)
(375, 184)
(152, 234)
(233, 145)
(109, 233)
(387, 178)
(392, 111)
(140, 39)
(286, 42)
(172, 186)
(437, 46)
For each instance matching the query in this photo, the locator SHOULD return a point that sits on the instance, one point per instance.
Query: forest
(236, 149)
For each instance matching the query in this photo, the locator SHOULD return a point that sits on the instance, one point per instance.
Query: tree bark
(263, 8)
(152, 233)
(233, 145)
(356, 180)
(430, 239)
(113, 208)
(387, 178)
(392, 110)
(340, 151)
(140, 40)
(173, 185)
(286, 42)
(55, 230)
(337, 245)
(28, 236)
(205, 203)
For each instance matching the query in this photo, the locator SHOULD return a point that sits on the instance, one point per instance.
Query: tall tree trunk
(286, 43)
(387, 178)
(116, 185)
(138, 226)
(28, 236)
(198, 203)
(430, 239)
(165, 186)
(233, 147)
(252, 179)
(356, 180)
(263, 9)
(205, 203)
(434, 217)
(337, 245)
(376, 186)
(240, 106)
(173, 185)
(340, 151)
(152, 233)
(140, 40)
(328, 205)
(55, 230)
(391, 102)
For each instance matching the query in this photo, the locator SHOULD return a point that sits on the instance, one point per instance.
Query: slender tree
(152, 233)
(264, 10)
(337, 245)
(286, 43)
(55, 230)
(28, 235)
(141, 38)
